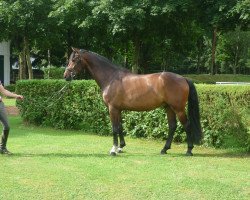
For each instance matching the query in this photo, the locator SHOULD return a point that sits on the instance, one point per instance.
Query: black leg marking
(172, 123)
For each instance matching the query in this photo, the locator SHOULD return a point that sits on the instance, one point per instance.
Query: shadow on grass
(223, 155)
(212, 155)
(59, 155)
(127, 155)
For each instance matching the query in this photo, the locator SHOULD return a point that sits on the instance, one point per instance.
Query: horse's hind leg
(122, 140)
(184, 121)
(172, 123)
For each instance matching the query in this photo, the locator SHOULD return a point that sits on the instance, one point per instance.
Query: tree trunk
(27, 56)
(199, 54)
(236, 58)
(135, 66)
(22, 65)
(235, 61)
(212, 70)
(69, 44)
(126, 56)
(49, 61)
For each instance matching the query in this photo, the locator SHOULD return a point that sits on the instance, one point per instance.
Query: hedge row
(224, 112)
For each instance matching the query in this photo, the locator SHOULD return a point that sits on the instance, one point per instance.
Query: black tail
(194, 113)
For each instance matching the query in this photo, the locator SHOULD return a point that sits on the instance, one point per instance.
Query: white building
(5, 62)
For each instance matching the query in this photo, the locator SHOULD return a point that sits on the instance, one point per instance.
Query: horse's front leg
(115, 116)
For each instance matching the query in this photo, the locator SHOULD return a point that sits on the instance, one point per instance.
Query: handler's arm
(8, 93)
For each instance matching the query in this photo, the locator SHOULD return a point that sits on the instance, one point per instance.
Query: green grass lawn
(58, 164)
(9, 101)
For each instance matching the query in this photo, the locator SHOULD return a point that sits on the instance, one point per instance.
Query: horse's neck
(102, 71)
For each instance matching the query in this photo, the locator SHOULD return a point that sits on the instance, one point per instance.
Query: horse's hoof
(119, 150)
(113, 153)
(163, 152)
(189, 154)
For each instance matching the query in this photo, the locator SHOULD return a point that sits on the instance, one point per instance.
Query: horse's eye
(75, 59)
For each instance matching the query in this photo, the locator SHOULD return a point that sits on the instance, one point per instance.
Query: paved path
(12, 110)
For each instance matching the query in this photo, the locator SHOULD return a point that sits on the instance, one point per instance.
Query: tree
(146, 35)
(137, 25)
(233, 50)
(220, 17)
(24, 22)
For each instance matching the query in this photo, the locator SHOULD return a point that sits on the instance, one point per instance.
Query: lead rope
(56, 94)
(72, 75)
(59, 92)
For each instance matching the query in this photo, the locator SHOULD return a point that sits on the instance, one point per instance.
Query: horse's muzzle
(69, 75)
(68, 78)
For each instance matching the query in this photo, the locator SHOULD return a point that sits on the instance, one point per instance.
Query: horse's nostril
(68, 78)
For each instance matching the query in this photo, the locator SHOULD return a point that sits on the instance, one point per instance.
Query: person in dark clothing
(4, 118)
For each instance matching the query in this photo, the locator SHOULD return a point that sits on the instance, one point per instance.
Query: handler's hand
(19, 97)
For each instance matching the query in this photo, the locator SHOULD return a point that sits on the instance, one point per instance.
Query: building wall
(5, 51)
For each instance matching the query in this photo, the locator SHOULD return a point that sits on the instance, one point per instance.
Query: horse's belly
(144, 103)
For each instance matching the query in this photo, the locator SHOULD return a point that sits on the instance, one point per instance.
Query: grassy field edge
(63, 164)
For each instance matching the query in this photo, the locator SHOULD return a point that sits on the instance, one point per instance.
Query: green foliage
(53, 73)
(142, 35)
(24, 19)
(233, 51)
(224, 112)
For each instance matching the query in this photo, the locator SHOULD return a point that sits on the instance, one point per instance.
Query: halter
(72, 73)
(72, 70)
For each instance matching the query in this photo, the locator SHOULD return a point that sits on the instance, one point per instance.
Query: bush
(53, 73)
(224, 111)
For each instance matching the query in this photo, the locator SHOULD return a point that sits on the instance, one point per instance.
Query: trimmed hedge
(224, 111)
(225, 115)
(212, 79)
(77, 106)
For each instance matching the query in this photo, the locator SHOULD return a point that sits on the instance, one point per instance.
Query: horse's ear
(75, 49)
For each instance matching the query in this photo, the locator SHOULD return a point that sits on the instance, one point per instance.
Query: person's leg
(6, 129)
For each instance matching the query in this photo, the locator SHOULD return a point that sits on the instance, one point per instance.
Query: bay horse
(123, 90)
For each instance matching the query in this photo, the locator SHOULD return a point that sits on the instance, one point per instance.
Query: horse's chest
(111, 94)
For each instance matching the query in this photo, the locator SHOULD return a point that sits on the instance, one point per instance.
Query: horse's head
(75, 64)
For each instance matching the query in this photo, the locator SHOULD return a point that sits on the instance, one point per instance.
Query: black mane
(107, 60)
